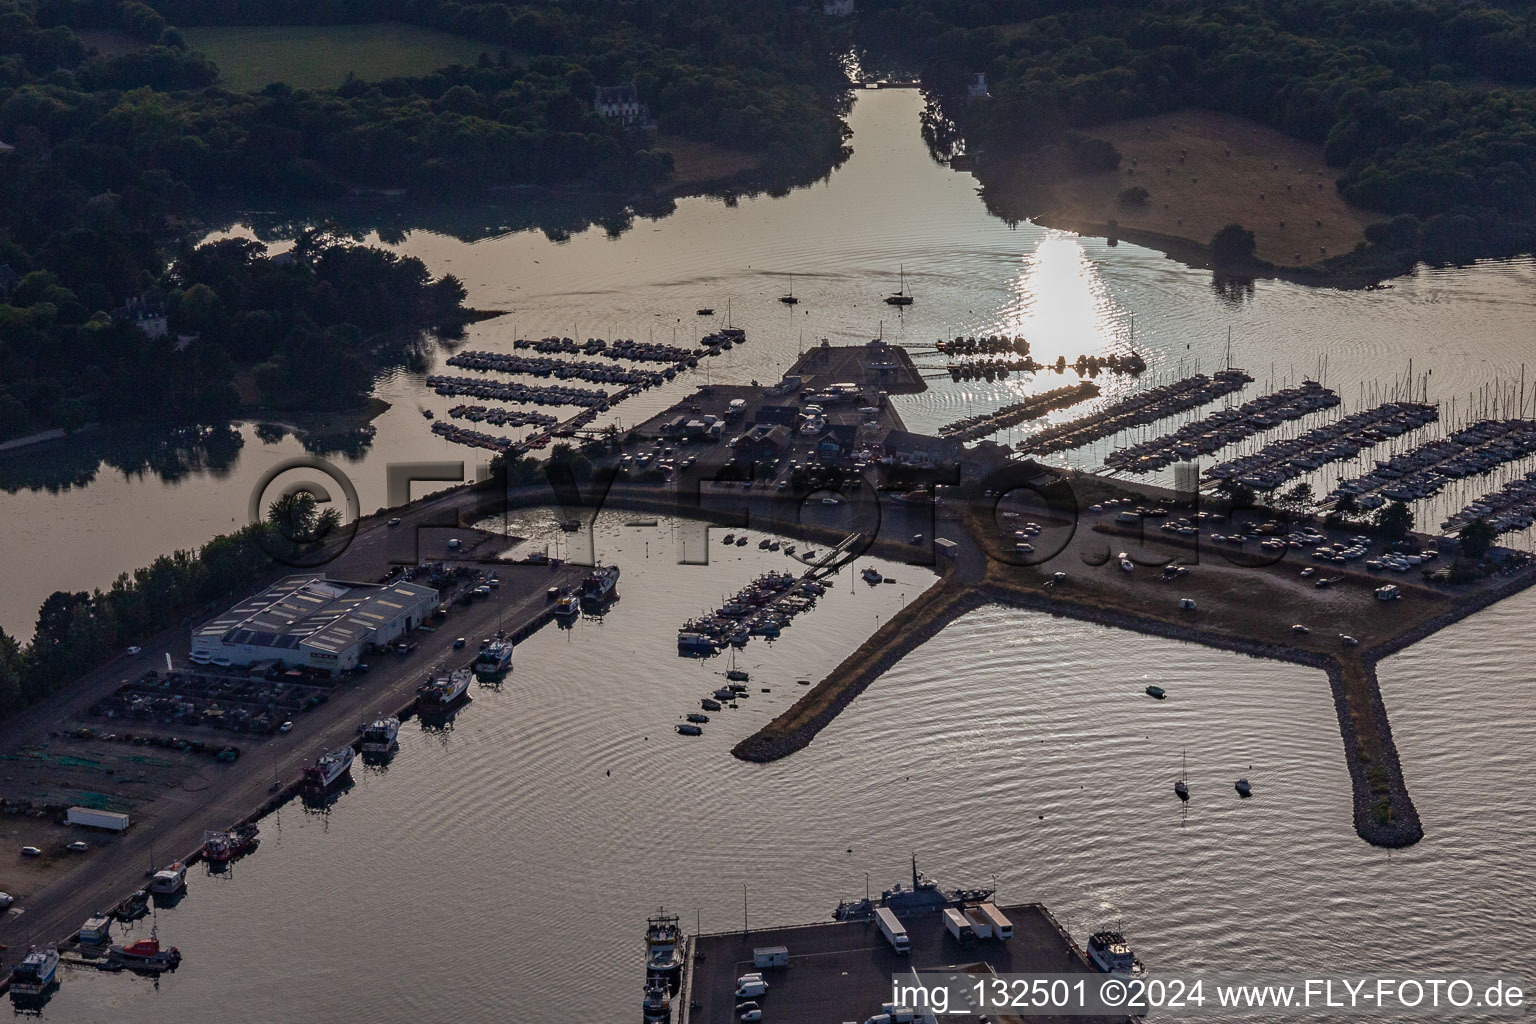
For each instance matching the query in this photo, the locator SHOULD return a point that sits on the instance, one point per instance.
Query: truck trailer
(894, 931)
(109, 820)
(958, 926)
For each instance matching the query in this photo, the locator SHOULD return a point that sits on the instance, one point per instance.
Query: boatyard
(205, 748)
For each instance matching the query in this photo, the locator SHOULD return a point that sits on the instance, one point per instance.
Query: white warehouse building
(308, 621)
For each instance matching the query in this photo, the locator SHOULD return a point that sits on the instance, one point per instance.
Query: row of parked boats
(473, 438)
(1144, 407)
(972, 428)
(1424, 471)
(989, 344)
(1086, 366)
(502, 417)
(516, 391)
(1512, 507)
(561, 369)
(1223, 427)
(762, 608)
(1288, 458)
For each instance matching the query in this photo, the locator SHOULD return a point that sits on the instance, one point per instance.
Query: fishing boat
(223, 847)
(688, 729)
(1157, 692)
(328, 769)
(663, 966)
(381, 736)
(1243, 788)
(568, 607)
(169, 881)
(146, 955)
(694, 643)
(35, 972)
(1182, 786)
(599, 584)
(900, 298)
(133, 906)
(442, 689)
(494, 658)
(1110, 953)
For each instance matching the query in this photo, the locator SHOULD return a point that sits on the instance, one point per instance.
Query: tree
(1298, 497)
(1134, 196)
(299, 518)
(1477, 537)
(1232, 244)
(1395, 521)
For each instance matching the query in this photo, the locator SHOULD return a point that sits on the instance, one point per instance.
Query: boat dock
(843, 971)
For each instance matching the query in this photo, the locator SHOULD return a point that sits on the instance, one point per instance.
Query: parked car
(6, 899)
(31, 851)
(285, 728)
(460, 642)
(394, 521)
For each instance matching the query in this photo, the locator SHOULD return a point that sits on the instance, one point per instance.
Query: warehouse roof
(311, 611)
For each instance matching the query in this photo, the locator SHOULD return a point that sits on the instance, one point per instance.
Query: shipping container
(770, 956)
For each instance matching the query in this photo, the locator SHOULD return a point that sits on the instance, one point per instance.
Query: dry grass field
(702, 162)
(1205, 170)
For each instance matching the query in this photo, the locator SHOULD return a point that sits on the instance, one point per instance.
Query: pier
(843, 971)
(169, 819)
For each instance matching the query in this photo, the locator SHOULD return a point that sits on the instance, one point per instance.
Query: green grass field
(319, 56)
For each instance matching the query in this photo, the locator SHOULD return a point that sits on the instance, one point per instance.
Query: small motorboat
(1157, 692)
(709, 704)
(725, 694)
(705, 311)
(695, 716)
(133, 907)
(1244, 790)
(741, 542)
(730, 539)
(789, 549)
(689, 729)
(764, 544)
(427, 413)
(773, 545)
(737, 689)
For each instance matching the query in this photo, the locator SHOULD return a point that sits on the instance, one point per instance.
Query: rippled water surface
(503, 868)
(843, 241)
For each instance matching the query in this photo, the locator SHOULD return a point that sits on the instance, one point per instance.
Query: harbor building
(308, 621)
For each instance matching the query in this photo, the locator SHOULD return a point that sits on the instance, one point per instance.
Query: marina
(1285, 459)
(1222, 428)
(1142, 407)
(1244, 711)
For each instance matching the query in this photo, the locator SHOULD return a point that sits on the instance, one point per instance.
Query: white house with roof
(620, 103)
(308, 621)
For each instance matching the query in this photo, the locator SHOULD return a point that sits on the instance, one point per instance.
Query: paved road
(175, 826)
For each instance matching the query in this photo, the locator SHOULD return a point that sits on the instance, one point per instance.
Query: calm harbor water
(843, 241)
(504, 866)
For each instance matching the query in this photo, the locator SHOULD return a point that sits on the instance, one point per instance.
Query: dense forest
(1426, 108)
(106, 157)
